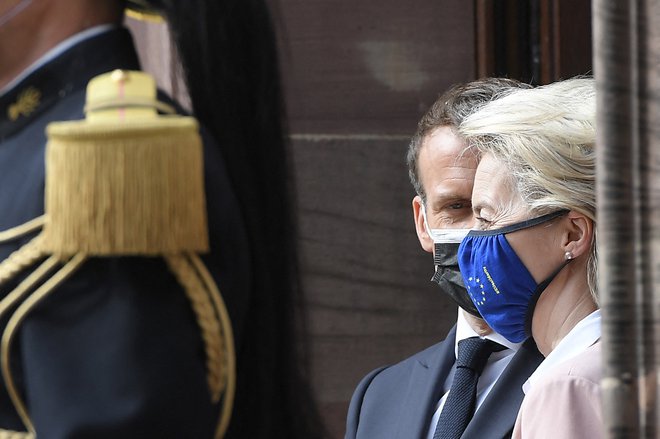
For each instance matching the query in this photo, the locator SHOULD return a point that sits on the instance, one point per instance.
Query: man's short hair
(454, 105)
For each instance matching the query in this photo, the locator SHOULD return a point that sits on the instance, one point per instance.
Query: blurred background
(358, 75)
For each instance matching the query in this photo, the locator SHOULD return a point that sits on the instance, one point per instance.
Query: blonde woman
(530, 267)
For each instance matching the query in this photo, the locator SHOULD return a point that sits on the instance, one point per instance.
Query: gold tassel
(129, 189)
(123, 182)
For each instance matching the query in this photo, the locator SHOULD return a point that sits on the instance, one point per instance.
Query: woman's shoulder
(565, 402)
(584, 366)
(578, 376)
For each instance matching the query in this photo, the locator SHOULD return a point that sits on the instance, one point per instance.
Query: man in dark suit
(408, 400)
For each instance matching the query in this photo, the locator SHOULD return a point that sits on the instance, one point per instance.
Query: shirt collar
(464, 330)
(583, 335)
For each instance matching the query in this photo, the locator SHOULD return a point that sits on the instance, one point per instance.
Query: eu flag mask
(445, 259)
(499, 284)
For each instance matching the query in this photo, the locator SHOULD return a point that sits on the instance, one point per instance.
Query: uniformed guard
(149, 203)
(115, 349)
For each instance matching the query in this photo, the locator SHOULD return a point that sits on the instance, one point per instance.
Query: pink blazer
(566, 402)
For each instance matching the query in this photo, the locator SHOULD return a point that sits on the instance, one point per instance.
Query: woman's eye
(482, 221)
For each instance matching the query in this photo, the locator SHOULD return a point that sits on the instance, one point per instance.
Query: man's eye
(459, 205)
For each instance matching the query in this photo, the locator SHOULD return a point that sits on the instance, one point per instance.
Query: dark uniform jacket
(115, 351)
(398, 402)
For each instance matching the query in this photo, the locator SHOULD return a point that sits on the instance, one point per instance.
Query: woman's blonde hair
(545, 137)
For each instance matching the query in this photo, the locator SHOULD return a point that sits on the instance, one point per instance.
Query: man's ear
(424, 239)
(579, 234)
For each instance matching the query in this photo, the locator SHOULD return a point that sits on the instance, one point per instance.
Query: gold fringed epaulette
(125, 181)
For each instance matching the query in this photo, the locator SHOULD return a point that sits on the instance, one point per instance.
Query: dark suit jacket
(398, 402)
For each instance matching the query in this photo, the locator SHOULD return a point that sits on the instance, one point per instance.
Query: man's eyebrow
(448, 196)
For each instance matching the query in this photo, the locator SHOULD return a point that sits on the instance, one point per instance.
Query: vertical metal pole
(616, 71)
(648, 57)
(627, 67)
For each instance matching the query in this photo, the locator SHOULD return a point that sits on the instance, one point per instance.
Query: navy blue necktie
(459, 407)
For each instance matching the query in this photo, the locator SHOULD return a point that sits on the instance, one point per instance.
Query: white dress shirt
(496, 364)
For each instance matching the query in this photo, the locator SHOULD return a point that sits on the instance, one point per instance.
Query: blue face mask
(499, 284)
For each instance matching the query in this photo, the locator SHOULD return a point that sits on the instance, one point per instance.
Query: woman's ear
(422, 234)
(578, 236)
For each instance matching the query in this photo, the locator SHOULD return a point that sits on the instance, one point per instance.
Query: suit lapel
(425, 388)
(497, 415)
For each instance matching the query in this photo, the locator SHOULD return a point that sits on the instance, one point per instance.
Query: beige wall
(359, 74)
